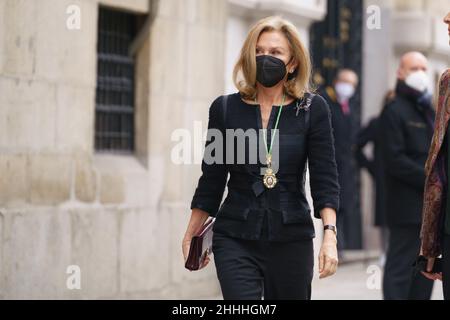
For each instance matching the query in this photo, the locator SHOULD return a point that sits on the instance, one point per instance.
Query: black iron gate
(336, 43)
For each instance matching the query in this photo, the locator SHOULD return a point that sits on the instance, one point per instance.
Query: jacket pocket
(418, 137)
(293, 215)
(233, 210)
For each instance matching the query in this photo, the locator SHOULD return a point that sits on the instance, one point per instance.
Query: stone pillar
(186, 74)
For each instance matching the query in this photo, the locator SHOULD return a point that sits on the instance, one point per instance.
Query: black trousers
(446, 267)
(255, 269)
(400, 282)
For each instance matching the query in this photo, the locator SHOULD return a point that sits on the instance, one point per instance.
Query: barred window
(114, 116)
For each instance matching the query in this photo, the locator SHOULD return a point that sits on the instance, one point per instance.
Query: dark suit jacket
(405, 140)
(241, 214)
(344, 136)
(372, 133)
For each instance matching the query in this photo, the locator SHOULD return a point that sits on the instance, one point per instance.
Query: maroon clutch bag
(201, 246)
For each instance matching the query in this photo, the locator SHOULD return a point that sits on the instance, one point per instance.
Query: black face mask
(270, 70)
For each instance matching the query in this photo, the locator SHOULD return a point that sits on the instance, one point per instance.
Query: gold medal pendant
(269, 179)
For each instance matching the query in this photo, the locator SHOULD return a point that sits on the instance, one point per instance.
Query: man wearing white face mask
(339, 97)
(407, 125)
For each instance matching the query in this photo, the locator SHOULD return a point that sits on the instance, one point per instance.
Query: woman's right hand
(186, 244)
(430, 264)
(198, 218)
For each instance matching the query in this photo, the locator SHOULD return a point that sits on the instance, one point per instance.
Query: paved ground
(355, 281)
(361, 281)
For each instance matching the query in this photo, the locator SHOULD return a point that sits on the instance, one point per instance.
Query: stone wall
(120, 218)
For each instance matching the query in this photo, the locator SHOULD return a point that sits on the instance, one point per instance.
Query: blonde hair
(246, 64)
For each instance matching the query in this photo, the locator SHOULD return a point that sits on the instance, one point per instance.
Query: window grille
(114, 116)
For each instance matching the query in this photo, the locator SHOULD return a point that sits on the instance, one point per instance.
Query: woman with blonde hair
(263, 231)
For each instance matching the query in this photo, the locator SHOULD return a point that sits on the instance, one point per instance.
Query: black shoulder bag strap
(224, 109)
(305, 104)
(224, 118)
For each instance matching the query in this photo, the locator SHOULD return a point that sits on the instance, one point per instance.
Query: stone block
(168, 70)
(2, 274)
(85, 179)
(74, 113)
(28, 114)
(205, 72)
(36, 253)
(19, 43)
(65, 54)
(14, 188)
(2, 35)
(112, 188)
(144, 251)
(50, 178)
(95, 250)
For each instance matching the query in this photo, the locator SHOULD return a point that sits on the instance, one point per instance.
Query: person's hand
(198, 218)
(328, 257)
(430, 264)
(186, 245)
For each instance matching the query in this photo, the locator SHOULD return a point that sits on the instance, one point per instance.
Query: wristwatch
(330, 227)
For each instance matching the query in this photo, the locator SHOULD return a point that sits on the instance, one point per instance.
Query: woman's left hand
(328, 257)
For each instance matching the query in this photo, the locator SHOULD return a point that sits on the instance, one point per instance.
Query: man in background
(339, 99)
(406, 125)
(371, 134)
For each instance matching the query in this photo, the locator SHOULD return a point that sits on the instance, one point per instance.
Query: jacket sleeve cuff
(320, 207)
(211, 212)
